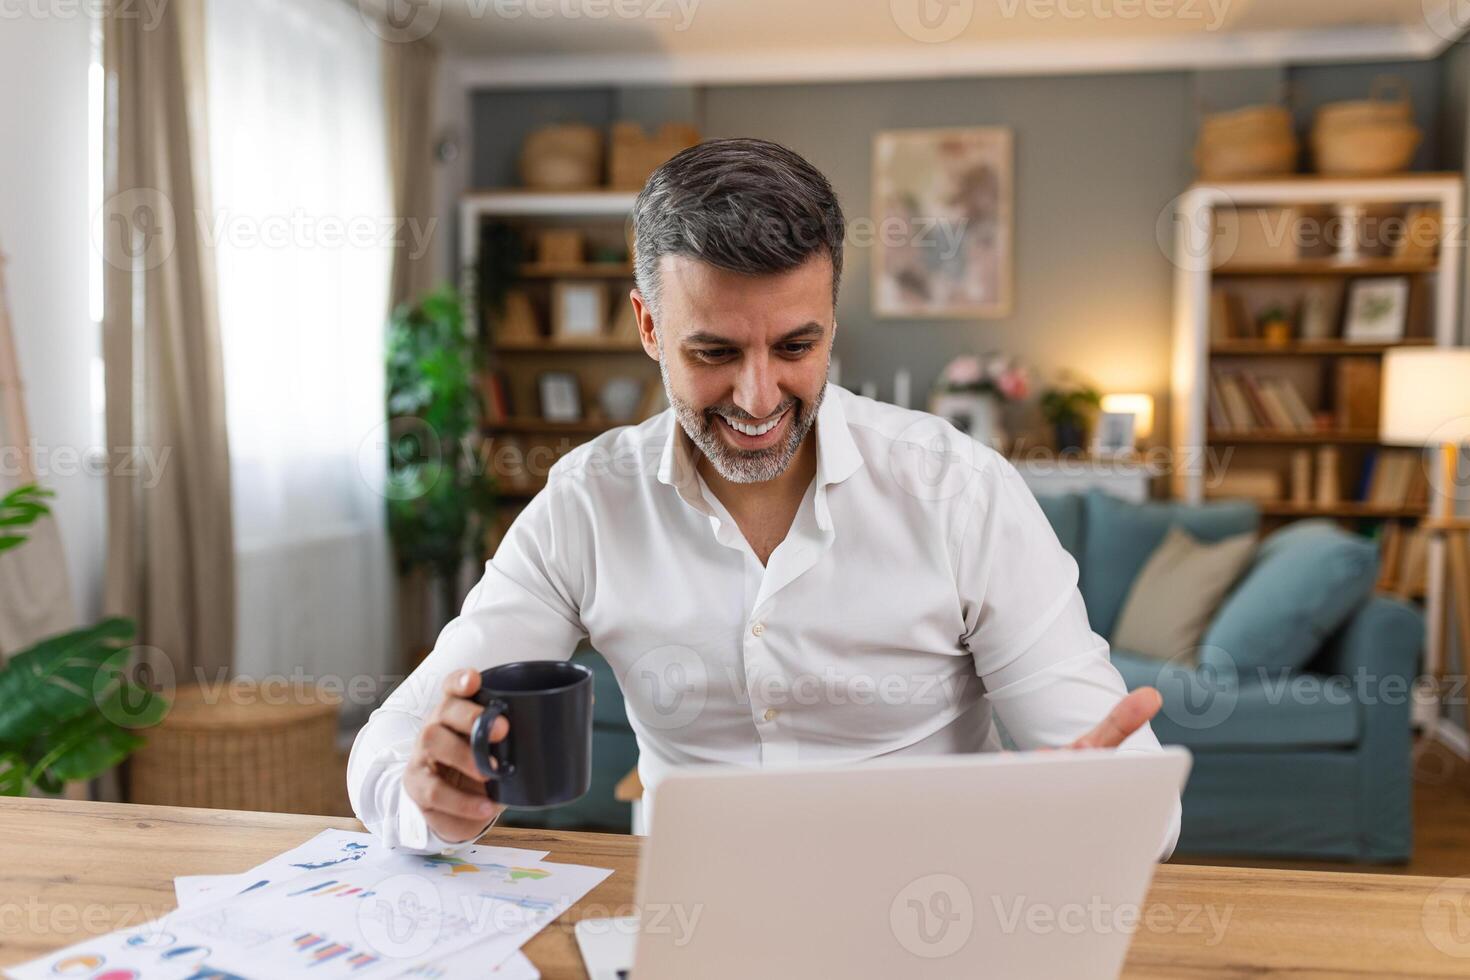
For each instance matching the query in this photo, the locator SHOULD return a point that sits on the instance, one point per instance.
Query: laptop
(994, 865)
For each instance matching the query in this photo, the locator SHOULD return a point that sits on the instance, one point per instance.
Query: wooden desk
(71, 869)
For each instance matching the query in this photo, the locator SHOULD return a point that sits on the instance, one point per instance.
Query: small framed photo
(561, 396)
(1114, 434)
(1377, 310)
(578, 310)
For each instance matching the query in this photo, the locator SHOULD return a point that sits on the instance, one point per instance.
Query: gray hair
(745, 205)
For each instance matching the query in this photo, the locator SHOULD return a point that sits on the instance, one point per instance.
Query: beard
(744, 465)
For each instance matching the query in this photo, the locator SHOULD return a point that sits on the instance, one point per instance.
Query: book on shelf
(1241, 401)
(1359, 383)
(1247, 482)
(495, 394)
(1394, 478)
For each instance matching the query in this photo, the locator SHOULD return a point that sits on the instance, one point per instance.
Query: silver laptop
(997, 865)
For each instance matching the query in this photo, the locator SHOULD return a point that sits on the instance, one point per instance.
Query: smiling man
(778, 571)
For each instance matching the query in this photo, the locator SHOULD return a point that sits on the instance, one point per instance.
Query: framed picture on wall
(943, 239)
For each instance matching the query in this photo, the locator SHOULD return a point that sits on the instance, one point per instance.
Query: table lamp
(1426, 402)
(1141, 407)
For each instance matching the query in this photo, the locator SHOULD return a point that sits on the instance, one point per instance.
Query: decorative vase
(977, 414)
(1070, 437)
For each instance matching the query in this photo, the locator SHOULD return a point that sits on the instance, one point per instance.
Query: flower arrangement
(986, 374)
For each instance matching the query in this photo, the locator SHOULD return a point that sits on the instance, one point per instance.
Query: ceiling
(508, 42)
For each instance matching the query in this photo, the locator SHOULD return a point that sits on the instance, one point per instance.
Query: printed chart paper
(378, 915)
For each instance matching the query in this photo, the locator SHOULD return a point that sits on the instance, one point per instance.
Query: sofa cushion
(1176, 594)
(1118, 538)
(1204, 709)
(1064, 511)
(1305, 582)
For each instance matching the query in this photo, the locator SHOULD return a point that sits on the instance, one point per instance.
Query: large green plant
(68, 709)
(440, 497)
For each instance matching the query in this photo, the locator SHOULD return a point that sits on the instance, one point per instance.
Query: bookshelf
(550, 242)
(1225, 246)
(1275, 372)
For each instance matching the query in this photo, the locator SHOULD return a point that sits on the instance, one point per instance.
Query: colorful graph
(322, 950)
(529, 904)
(151, 940)
(458, 865)
(180, 953)
(117, 975)
(210, 973)
(334, 888)
(76, 966)
(350, 852)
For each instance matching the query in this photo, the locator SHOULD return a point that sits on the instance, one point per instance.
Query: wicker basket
(1257, 141)
(1367, 138)
(1365, 151)
(241, 747)
(562, 158)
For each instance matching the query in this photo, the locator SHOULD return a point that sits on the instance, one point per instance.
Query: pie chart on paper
(76, 966)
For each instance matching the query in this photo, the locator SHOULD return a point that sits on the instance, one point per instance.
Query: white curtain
(302, 221)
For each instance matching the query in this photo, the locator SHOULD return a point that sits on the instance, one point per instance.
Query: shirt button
(758, 629)
(770, 714)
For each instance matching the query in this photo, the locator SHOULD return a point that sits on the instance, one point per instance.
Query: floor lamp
(1426, 403)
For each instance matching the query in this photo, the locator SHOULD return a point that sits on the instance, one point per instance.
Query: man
(777, 570)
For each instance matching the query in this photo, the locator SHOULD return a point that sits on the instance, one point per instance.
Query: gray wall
(1098, 160)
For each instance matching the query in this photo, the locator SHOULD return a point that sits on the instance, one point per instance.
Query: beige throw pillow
(1175, 596)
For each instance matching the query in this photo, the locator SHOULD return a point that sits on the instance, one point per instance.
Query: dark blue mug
(546, 760)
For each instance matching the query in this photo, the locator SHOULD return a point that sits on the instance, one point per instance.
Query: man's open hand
(442, 777)
(1127, 717)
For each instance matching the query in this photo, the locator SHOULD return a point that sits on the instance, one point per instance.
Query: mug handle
(484, 749)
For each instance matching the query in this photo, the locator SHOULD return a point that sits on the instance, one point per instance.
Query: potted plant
(971, 391)
(1069, 409)
(441, 498)
(68, 709)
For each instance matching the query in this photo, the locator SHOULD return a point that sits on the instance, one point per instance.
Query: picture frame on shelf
(560, 394)
(1377, 310)
(578, 311)
(620, 399)
(1114, 434)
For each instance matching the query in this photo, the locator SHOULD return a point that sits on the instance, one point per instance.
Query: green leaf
(55, 680)
(12, 773)
(83, 748)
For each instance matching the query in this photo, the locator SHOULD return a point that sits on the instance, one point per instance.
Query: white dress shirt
(919, 597)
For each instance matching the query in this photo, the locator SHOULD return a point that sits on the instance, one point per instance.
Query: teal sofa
(1296, 706)
(1296, 709)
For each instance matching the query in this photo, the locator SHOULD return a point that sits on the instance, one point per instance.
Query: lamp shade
(1426, 396)
(1141, 407)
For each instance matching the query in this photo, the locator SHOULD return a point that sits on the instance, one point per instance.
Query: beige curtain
(410, 78)
(170, 556)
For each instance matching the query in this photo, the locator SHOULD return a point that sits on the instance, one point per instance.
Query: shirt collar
(837, 455)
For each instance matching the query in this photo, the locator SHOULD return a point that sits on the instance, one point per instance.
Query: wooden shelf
(567, 347)
(530, 424)
(1309, 348)
(1329, 267)
(583, 270)
(1346, 509)
(1262, 437)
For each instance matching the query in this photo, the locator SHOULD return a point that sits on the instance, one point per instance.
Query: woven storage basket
(1368, 137)
(1257, 141)
(562, 158)
(240, 747)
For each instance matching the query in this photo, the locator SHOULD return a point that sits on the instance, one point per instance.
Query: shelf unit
(1197, 272)
(1438, 278)
(520, 447)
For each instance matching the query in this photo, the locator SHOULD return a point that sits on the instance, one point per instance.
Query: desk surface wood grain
(70, 869)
